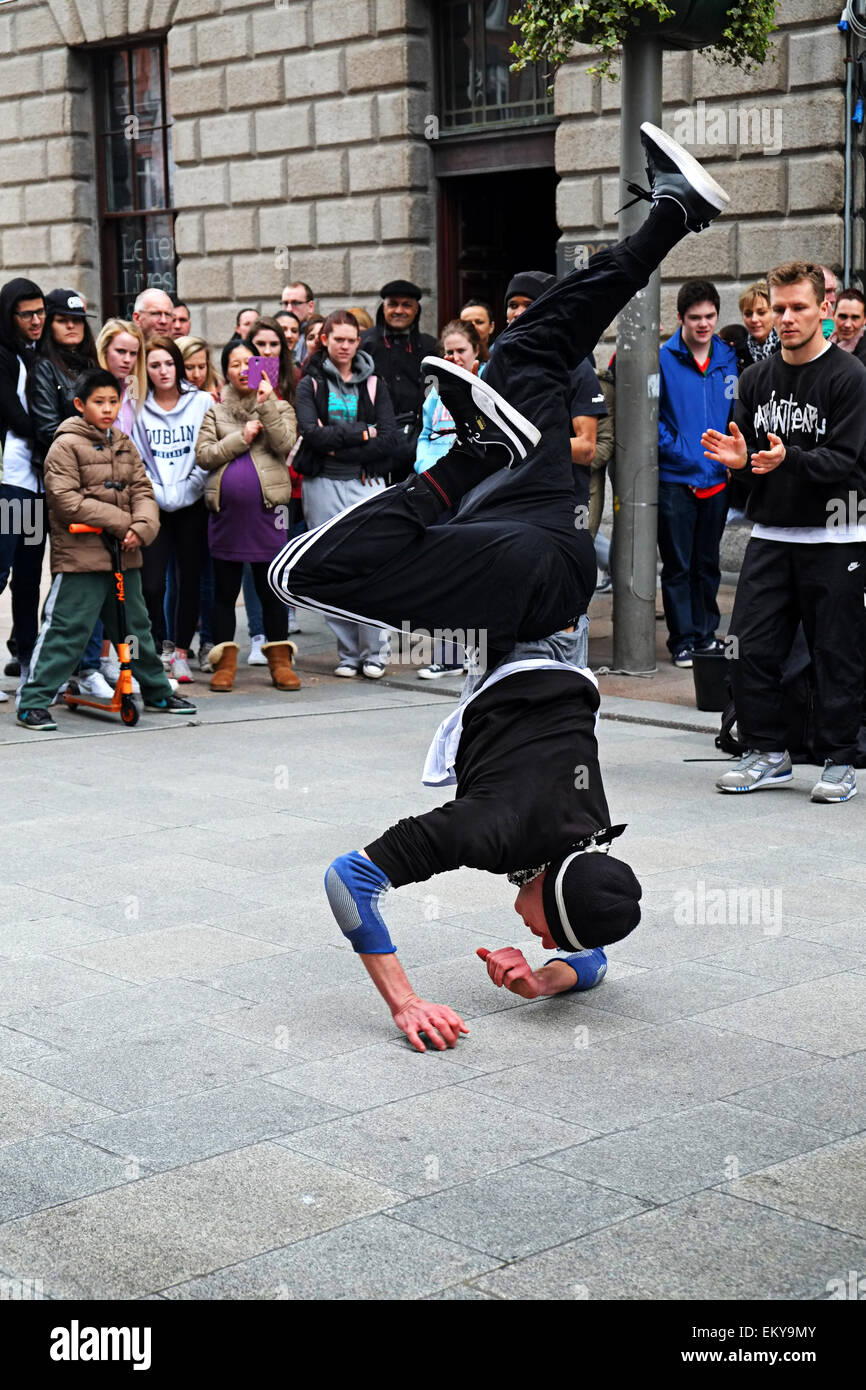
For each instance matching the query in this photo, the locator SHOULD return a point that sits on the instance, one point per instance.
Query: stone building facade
(773, 138)
(303, 144)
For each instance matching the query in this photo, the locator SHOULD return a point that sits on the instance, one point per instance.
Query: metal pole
(637, 367)
(849, 160)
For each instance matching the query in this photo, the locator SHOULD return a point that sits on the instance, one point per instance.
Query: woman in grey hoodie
(347, 422)
(165, 434)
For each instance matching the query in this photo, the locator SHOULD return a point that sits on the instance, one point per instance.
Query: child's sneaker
(39, 719)
(179, 668)
(257, 656)
(170, 704)
(110, 668)
(92, 683)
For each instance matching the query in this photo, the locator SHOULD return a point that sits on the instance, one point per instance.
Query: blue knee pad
(353, 885)
(590, 967)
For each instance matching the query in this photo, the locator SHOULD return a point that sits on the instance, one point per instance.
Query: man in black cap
(397, 347)
(515, 567)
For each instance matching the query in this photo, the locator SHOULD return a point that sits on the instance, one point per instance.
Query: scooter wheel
(129, 712)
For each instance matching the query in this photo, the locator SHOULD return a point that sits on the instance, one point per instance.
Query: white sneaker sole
(760, 786)
(830, 800)
(695, 173)
(500, 412)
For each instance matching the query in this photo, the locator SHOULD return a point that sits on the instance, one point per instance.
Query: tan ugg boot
(280, 656)
(224, 663)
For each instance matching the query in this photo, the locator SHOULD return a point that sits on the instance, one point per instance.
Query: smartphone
(262, 366)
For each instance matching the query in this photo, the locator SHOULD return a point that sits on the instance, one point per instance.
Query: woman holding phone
(242, 446)
(165, 432)
(267, 339)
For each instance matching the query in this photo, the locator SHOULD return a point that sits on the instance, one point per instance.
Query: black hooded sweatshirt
(397, 358)
(12, 416)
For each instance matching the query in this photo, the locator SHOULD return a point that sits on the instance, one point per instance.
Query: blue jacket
(693, 401)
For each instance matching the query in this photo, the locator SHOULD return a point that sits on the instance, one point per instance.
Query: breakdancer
(515, 561)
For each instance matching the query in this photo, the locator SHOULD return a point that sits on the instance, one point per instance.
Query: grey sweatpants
(323, 499)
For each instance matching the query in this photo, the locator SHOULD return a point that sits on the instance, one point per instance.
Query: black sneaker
(171, 704)
(39, 719)
(682, 657)
(715, 647)
(12, 668)
(674, 173)
(481, 416)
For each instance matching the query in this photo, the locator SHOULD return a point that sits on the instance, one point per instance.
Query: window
(477, 87)
(135, 186)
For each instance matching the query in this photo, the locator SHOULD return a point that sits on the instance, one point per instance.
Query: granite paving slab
(197, 1126)
(55, 1168)
(519, 1211)
(370, 1259)
(826, 1015)
(696, 1149)
(708, 1246)
(145, 1068)
(627, 1080)
(826, 1186)
(831, 1096)
(435, 1140)
(176, 1226)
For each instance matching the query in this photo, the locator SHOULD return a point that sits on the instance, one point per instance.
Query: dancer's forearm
(390, 979)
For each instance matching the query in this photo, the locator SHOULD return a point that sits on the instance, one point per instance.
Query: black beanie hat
(530, 283)
(400, 287)
(590, 899)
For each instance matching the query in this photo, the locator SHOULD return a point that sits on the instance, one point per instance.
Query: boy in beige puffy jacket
(94, 476)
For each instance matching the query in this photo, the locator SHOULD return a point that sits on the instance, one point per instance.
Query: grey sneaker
(179, 668)
(755, 771)
(838, 782)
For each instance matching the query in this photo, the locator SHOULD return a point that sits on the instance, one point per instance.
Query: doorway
(493, 225)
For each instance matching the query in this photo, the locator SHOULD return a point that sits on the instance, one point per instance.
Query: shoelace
(834, 773)
(639, 194)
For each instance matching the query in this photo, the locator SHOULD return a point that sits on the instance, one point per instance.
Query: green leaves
(551, 28)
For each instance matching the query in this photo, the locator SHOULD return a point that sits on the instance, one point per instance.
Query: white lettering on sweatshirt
(782, 417)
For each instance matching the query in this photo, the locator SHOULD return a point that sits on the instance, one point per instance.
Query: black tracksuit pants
(781, 584)
(516, 561)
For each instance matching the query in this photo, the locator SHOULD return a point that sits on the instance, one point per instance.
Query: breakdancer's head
(580, 900)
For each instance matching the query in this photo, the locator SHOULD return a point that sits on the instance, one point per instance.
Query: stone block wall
(298, 143)
(774, 139)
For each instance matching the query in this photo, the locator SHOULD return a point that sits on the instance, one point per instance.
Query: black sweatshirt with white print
(818, 410)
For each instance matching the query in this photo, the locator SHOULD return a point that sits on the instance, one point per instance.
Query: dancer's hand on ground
(728, 449)
(251, 429)
(509, 967)
(768, 459)
(441, 1024)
